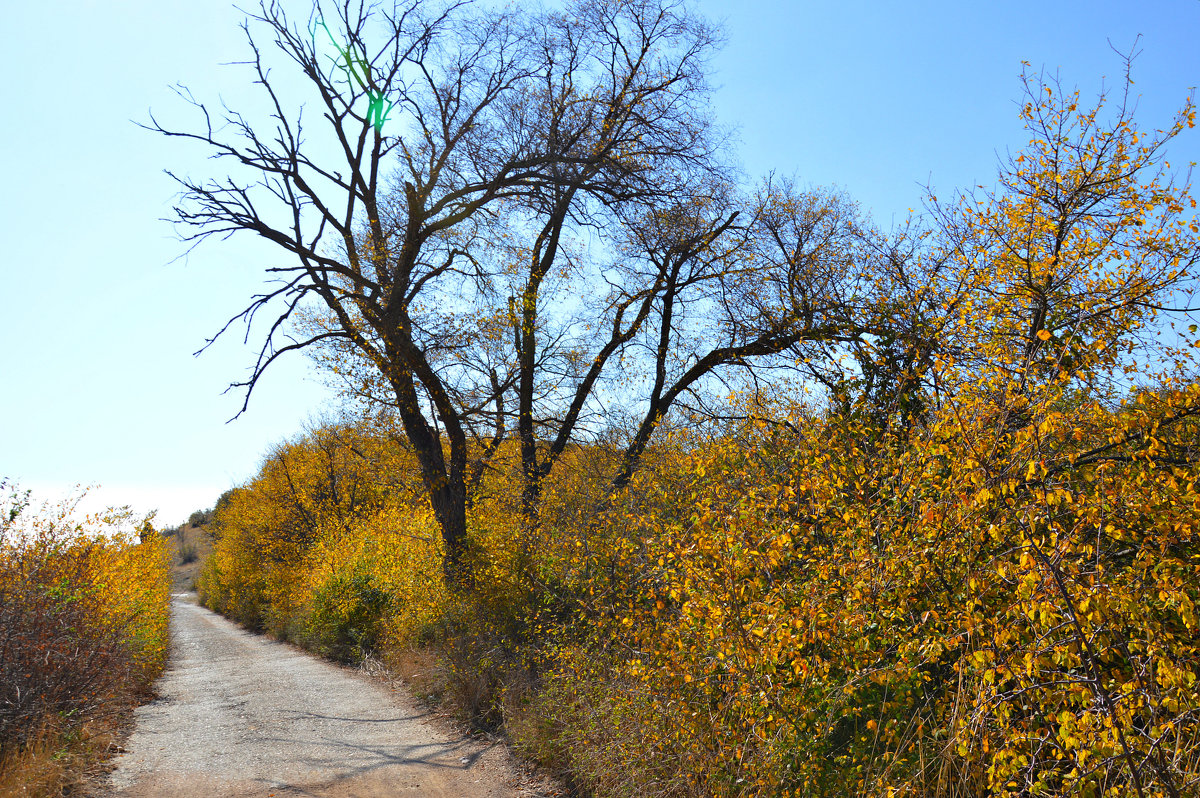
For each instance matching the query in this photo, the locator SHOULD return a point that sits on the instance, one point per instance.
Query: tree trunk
(450, 509)
(445, 482)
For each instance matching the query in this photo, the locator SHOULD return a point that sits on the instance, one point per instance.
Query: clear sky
(99, 320)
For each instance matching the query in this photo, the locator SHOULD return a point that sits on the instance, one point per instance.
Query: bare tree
(499, 212)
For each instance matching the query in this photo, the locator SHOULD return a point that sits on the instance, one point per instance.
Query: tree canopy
(512, 223)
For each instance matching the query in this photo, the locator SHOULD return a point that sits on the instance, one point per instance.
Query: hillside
(191, 545)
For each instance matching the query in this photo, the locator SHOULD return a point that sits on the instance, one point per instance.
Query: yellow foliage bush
(387, 566)
(326, 546)
(821, 619)
(803, 605)
(84, 610)
(133, 580)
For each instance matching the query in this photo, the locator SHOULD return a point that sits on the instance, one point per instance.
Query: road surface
(242, 715)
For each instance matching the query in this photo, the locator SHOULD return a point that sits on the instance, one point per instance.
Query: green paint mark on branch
(358, 72)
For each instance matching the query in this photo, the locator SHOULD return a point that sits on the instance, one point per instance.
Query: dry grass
(420, 671)
(59, 761)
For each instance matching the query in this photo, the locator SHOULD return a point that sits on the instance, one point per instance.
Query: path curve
(242, 715)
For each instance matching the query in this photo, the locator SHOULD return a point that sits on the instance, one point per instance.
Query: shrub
(83, 630)
(346, 621)
(200, 518)
(55, 659)
(188, 553)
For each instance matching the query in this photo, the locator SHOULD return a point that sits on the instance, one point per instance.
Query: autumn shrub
(806, 615)
(231, 581)
(83, 627)
(308, 490)
(326, 547)
(812, 604)
(981, 579)
(346, 617)
(56, 660)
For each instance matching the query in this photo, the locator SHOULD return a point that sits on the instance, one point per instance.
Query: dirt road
(242, 715)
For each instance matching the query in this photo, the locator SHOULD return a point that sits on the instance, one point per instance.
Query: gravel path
(242, 715)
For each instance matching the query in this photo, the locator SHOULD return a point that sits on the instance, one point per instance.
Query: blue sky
(99, 317)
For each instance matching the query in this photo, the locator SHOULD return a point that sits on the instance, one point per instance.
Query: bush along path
(239, 714)
(83, 634)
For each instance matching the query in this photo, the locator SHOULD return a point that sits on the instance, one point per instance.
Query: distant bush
(188, 553)
(200, 518)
